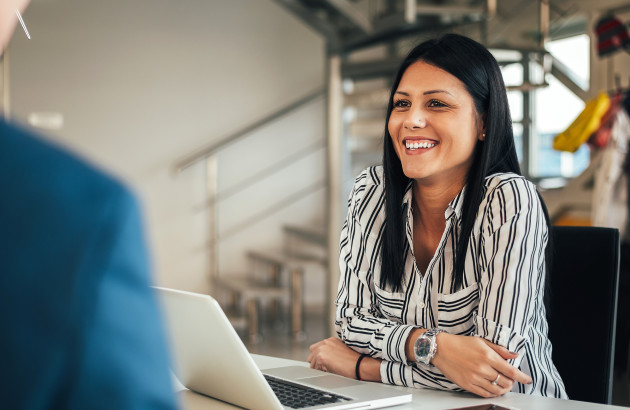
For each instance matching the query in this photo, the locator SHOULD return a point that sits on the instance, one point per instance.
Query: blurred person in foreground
(80, 324)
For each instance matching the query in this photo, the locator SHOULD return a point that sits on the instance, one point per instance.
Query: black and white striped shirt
(502, 295)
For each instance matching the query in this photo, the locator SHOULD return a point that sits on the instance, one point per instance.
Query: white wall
(143, 83)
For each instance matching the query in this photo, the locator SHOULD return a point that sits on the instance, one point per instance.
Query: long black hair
(478, 70)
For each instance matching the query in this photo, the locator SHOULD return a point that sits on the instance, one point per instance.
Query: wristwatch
(425, 347)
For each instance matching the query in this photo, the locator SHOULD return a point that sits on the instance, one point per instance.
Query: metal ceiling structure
(350, 25)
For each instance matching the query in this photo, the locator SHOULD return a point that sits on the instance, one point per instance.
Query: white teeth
(416, 145)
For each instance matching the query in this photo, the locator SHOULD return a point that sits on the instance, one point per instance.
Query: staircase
(257, 180)
(265, 207)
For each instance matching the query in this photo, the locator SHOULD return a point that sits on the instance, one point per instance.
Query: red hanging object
(612, 35)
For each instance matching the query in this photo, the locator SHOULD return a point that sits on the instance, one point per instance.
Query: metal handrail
(204, 153)
(210, 156)
(266, 172)
(272, 209)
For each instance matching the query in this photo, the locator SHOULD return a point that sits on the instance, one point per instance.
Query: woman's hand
(332, 355)
(473, 364)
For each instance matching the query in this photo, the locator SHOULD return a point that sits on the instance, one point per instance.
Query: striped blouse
(502, 295)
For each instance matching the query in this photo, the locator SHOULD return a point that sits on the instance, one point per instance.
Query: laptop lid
(211, 359)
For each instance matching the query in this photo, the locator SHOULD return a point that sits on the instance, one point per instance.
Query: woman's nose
(414, 121)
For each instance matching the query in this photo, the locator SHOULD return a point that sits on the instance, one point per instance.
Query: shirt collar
(456, 205)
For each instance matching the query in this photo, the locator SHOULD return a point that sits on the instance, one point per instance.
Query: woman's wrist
(370, 369)
(357, 374)
(439, 353)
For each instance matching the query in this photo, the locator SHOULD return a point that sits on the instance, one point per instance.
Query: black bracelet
(356, 369)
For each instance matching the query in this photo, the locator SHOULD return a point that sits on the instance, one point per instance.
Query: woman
(443, 250)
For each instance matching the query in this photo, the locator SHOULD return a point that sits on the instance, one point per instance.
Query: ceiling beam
(450, 10)
(370, 69)
(352, 13)
(307, 16)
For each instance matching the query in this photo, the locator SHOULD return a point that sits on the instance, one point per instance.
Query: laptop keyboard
(297, 396)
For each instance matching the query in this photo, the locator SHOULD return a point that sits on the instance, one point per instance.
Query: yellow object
(572, 221)
(584, 125)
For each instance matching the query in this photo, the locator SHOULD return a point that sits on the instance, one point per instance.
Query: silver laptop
(211, 359)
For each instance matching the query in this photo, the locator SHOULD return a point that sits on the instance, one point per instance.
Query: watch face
(423, 347)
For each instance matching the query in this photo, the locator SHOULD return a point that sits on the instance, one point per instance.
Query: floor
(277, 341)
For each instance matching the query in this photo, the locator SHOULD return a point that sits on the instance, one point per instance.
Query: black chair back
(582, 309)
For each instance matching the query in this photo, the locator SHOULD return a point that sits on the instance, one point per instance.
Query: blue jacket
(79, 325)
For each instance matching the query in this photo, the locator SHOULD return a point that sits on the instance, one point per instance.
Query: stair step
(289, 261)
(251, 288)
(312, 235)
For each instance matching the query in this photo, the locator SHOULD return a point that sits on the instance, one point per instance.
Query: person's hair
(478, 70)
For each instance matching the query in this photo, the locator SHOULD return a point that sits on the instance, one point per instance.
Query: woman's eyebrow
(426, 92)
(437, 92)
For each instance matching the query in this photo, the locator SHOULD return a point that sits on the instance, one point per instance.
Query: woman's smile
(418, 145)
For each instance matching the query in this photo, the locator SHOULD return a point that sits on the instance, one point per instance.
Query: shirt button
(502, 337)
(421, 305)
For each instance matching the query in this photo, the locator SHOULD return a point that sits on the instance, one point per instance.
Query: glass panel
(552, 163)
(518, 141)
(574, 53)
(512, 74)
(515, 100)
(556, 108)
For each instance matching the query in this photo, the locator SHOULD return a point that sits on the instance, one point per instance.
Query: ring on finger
(496, 381)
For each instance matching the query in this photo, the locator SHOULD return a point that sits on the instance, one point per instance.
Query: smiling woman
(443, 250)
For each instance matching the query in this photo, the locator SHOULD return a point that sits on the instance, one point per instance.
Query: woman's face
(433, 125)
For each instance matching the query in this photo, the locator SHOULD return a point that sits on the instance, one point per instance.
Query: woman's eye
(436, 104)
(401, 104)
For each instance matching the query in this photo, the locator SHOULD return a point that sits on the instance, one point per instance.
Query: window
(553, 109)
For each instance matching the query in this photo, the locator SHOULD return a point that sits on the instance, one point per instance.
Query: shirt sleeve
(512, 265)
(416, 375)
(359, 322)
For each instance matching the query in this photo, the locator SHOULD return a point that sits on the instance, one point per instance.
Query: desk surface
(425, 399)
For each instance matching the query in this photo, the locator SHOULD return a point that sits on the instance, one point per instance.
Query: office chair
(582, 309)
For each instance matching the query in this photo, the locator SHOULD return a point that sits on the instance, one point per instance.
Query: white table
(425, 399)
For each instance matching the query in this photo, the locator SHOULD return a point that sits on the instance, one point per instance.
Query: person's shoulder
(41, 171)
(508, 181)
(367, 197)
(509, 194)
(370, 177)
(368, 182)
